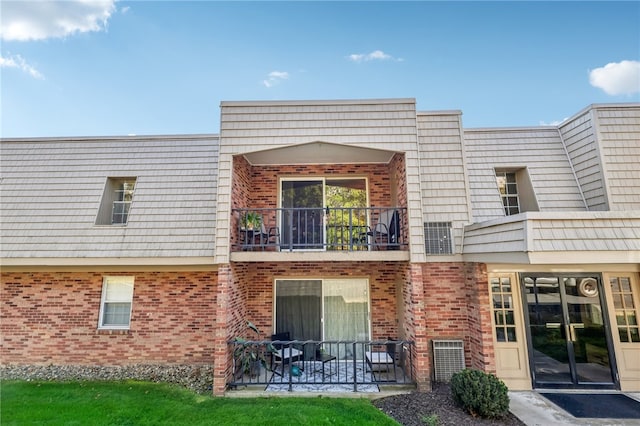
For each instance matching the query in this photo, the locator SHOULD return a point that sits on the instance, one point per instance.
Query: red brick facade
(188, 317)
(257, 186)
(456, 297)
(52, 318)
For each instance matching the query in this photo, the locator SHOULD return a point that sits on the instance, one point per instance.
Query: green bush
(479, 393)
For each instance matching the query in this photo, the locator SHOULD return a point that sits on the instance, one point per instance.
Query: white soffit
(318, 153)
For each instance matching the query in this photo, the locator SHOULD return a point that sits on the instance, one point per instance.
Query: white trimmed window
(116, 201)
(516, 191)
(508, 192)
(115, 305)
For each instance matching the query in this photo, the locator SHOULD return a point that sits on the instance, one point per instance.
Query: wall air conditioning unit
(448, 358)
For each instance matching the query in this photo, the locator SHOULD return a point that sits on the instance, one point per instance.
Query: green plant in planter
(251, 220)
(251, 357)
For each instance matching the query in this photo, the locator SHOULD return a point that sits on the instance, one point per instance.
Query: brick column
(220, 349)
(481, 335)
(417, 323)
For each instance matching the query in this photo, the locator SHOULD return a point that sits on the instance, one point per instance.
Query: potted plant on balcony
(249, 358)
(251, 220)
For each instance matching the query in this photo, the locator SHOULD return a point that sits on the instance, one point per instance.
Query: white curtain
(346, 312)
(330, 309)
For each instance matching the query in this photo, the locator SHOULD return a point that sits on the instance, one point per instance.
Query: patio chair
(285, 352)
(386, 232)
(270, 236)
(382, 361)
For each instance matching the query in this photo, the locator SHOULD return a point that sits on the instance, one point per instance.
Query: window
(116, 201)
(122, 201)
(508, 192)
(626, 317)
(115, 306)
(437, 237)
(503, 310)
(323, 309)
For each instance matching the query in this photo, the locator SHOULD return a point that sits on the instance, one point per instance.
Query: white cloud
(376, 55)
(617, 78)
(17, 61)
(39, 20)
(553, 123)
(275, 77)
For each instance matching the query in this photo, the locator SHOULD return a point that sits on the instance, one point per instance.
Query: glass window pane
(119, 291)
(631, 318)
(511, 334)
(507, 302)
(617, 301)
(635, 335)
(497, 301)
(620, 318)
(116, 314)
(500, 336)
(509, 318)
(615, 285)
(499, 318)
(625, 284)
(506, 285)
(628, 301)
(622, 332)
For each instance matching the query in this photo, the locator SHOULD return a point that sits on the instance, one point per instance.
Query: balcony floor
(329, 256)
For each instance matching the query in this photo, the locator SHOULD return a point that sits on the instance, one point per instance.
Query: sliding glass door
(303, 217)
(323, 309)
(320, 213)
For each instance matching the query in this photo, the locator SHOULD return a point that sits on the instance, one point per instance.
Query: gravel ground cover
(414, 409)
(196, 378)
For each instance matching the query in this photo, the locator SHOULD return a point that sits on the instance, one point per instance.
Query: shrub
(479, 393)
(430, 420)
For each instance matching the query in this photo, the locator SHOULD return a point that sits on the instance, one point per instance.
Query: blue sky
(103, 68)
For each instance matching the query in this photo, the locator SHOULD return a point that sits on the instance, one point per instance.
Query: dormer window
(516, 191)
(508, 192)
(122, 202)
(116, 201)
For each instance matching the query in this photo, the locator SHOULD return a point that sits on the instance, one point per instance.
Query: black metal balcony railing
(345, 228)
(322, 365)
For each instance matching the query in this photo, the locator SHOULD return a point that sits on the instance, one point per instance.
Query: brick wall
(257, 186)
(52, 318)
(383, 279)
(481, 335)
(183, 317)
(247, 290)
(457, 306)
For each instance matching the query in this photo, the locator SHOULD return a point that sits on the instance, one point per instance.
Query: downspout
(573, 170)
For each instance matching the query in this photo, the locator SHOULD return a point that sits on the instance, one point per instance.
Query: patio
(324, 366)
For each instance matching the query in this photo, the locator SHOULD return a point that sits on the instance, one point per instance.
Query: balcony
(323, 366)
(341, 230)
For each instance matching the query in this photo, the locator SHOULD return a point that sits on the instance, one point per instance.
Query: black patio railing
(350, 366)
(344, 228)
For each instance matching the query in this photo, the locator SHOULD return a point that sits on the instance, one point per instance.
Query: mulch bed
(411, 409)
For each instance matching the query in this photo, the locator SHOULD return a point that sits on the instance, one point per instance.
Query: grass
(142, 403)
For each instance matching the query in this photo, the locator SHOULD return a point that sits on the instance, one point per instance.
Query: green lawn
(140, 403)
